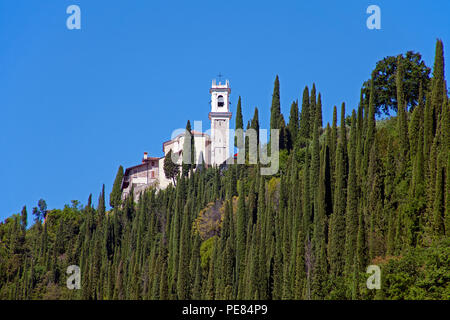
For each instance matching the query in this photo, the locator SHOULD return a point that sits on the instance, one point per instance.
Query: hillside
(363, 193)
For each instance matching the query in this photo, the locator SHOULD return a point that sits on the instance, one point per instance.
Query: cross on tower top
(220, 75)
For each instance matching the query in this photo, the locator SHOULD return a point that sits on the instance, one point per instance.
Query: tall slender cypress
(402, 123)
(239, 121)
(337, 223)
(275, 109)
(304, 116)
(438, 89)
(293, 125)
(351, 218)
(116, 193)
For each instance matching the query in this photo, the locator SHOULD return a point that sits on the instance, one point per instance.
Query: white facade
(220, 116)
(141, 176)
(163, 181)
(202, 143)
(215, 150)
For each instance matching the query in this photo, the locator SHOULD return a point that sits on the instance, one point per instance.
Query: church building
(213, 149)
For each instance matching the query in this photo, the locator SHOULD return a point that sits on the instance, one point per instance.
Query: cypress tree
(351, 219)
(261, 204)
(283, 143)
(275, 109)
(334, 136)
(445, 127)
(119, 289)
(255, 123)
(374, 204)
(327, 174)
(315, 167)
(228, 245)
(163, 286)
(447, 197)
(439, 202)
(371, 129)
(293, 125)
(432, 167)
(360, 138)
(116, 193)
(278, 267)
(438, 89)
(361, 259)
(183, 279)
(415, 124)
(319, 283)
(416, 203)
(402, 123)
(333, 146)
(307, 215)
(445, 160)
(210, 284)
(312, 110)
(188, 151)
(299, 266)
(337, 223)
(23, 220)
(170, 168)
(240, 234)
(254, 266)
(239, 121)
(196, 291)
(319, 111)
(428, 127)
(101, 209)
(304, 116)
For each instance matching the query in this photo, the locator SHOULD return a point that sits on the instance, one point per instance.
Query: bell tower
(220, 116)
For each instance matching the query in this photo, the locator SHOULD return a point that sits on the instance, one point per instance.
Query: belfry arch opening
(220, 101)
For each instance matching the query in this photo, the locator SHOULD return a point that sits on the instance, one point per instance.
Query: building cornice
(219, 115)
(219, 90)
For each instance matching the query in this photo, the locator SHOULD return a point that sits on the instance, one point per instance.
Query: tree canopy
(363, 193)
(384, 79)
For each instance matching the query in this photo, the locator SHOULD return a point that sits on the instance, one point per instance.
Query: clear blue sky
(77, 104)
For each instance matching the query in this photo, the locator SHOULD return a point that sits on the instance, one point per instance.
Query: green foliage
(421, 274)
(239, 119)
(116, 193)
(293, 125)
(304, 119)
(188, 155)
(255, 123)
(336, 206)
(283, 161)
(384, 78)
(207, 224)
(275, 109)
(206, 250)
(171, 169)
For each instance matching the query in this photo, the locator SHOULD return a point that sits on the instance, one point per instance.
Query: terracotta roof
(151, 159)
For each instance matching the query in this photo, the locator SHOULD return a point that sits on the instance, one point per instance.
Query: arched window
(220, 101)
